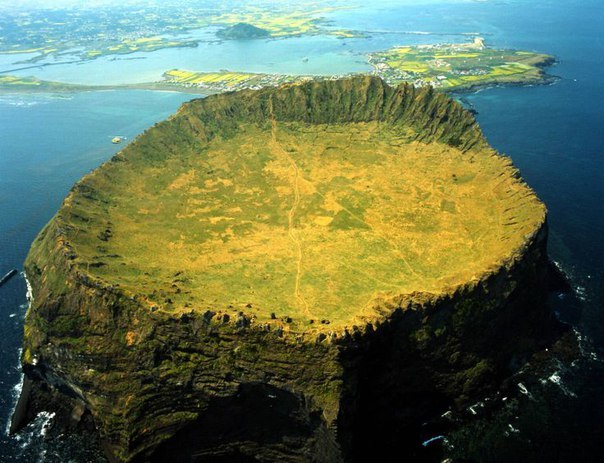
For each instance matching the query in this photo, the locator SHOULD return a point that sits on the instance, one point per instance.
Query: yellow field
(12, 80)
(409, 66)
(276, 23)
(311, 222)
(18, 51)
(228, 79)
(402, 50)
(344, 34)
(148, 40)
(456, 55)
(450, 66)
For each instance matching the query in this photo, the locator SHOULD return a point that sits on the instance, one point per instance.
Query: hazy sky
(43, 4)
(33, 4)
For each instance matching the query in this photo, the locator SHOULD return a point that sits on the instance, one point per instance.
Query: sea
(553, 133)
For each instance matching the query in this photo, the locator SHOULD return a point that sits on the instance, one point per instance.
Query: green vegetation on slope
(459, 66)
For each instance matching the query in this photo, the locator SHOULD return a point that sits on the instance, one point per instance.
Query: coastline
(547, 79)
(158, 87)
(410, 64)
(18, 416)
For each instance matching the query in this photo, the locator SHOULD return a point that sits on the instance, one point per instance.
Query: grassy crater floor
(306, 221)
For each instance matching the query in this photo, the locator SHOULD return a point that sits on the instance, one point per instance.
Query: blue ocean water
(46, 144)
(553, 134)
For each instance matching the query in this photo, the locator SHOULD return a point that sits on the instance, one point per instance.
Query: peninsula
(449, 67)
(460, 66)
(301, 261)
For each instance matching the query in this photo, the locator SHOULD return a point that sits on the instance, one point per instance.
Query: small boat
(8, 276)
(116, 140)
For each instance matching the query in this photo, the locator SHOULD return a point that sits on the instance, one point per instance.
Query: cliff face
(206, 386)
(432, 115)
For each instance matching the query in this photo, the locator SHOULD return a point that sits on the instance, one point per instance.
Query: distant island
(241, 31)
(301, 273)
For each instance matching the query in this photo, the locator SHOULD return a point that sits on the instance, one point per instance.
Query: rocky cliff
(219, 385)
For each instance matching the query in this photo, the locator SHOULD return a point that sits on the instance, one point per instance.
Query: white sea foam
(474, 409)
(581, 293)
(29, 294)
(585, 346)
(448, 415)
(556, 379)
(524, 390)
(34, 434)
(15, 394)
(17, 388)
(19, 102)
(28, 101)
(46, 422)
(513, 429)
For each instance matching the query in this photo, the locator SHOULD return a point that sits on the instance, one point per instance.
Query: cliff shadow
(260, 423)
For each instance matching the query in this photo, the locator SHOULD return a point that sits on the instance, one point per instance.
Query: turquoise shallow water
(326, 55)
(553, 133)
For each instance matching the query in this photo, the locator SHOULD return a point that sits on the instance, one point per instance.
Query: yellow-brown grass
(312, 222)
